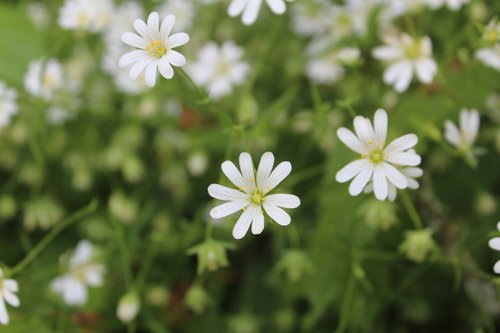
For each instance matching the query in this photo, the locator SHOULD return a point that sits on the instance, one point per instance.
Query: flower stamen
(156, 48)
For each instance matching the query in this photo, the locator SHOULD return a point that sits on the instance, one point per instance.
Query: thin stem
(410, 209)
(410, 26)
(35, 252)
(125, 258)
(346, 304)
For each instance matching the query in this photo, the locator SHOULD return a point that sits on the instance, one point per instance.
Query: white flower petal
(451, 133)
(409, 159)
(265, 167)
(234, 175)
(142, 29)
(131, 57)
(283, 200)
(166, 27)
(412, 172)
(494, 243)
(11, 285)
(139, 66)
(386, 53)
(364, 130)
(394, 175)
(134, 40)
(351, 170)
(165, 68)
(380, 124)
(11, 299)
(175, 58)
(236, 7)
(225, 193)
(380, 186)
(392, 192)
(154, 25)
(246, 167)
(351, 141)
(228, 208)
(281, 172)
(150, 73)
(277, 214)
(74, 292)
(404, 78)
(426, 69)
(496, 268)
(93, 275)
(4, 316)
(258, 223)
(244, 221)
(402, 143)
(83, 253)
(359, 182)
(277, 6)
(251, 12)
(177, 39)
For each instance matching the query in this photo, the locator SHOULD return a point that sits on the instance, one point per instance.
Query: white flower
(491, 33)
(490, 56)
(451, 4)
(411, 173)
(155, 48)
(377, 160)
(219, 68)
(43, 79)
(183, 10)
(8, 104)
(311, 18)
(406, 56)
(128, 307)
(92, 15)
(464, 137)
(252, 195)
(328, 66)
(83, 271)
(494, 243)
(8, 288)
(250, 9)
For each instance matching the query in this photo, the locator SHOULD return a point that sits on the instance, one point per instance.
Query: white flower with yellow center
(83, 271)
(406, 57)
(8, 290)
(491, 33)
(8, 104)
(183, 10)
(155, 48)
(219, 68)
(377, 162)
(91, 15)
(464, 137)
(253, 195)
(44, 78)
(250, 9)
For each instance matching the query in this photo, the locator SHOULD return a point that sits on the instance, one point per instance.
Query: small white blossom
(494, 243)
(183, 10)
(253, 195)
(406, 57)
(311, 18)
(8, 290)
(91, 15)
(377, 162)
(411, 174)
(490, 56)
(155, 48)
(328, 66)
(491, 33)
(451, 4)
(250, 9)
(128, 307)
(464, 137)
(219, 68)
(44, 78)
(83, 271)
(8, 104)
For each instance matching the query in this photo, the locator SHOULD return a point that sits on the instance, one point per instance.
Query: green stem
(410, 25)
(35, 252)
(410, 209)
(346, 304)
(125, 257)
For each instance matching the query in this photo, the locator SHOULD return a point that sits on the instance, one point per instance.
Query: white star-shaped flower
(464, 137)
(155, 48)
(8, 290)
(378, 163)
(250, 9)
(253, 195)
(406, 57)
(83, 271)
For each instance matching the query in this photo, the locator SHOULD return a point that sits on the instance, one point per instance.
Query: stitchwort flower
(8, 290)
(155, 48)
(379, 163)
(253, 195)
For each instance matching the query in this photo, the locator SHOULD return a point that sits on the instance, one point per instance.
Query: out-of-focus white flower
(82, 271)
(38, 14)
(183, 10)
(252, 195)
(377, 160)
(91, 15)
(451, 4)
(328, 67)
(128, 307)
(219, 68)
(44, 78)
(391, 9)
(464, 137)
(8, 290)
(491, 33)
(490, 56)
(155, 48)
(406, 56)
(8, 104)
(311, 18)
(250, 9)
(350, 19)
(494, 243)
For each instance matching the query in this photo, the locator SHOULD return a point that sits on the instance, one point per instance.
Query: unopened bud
(128, 307)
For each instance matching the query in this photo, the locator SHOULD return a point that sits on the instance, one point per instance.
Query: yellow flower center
(377, 156)
(492, 36)
(257, 198)
(1, 284)
(156, 48)
(413, 51)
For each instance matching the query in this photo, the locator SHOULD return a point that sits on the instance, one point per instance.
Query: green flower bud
(248, 110)
(157, 295)
(197, 163)
(197, 299)
(128, 307)
(133, 169)
(294, 264)
(42, 212)
(418, 244)
(8, 206)
(243, 323)
(211, 255)
(485, 204)
(378, 214)
(123, 208)
(285, 320)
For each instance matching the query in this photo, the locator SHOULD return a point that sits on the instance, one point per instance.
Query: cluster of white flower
(86, 15)
(490, 54)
